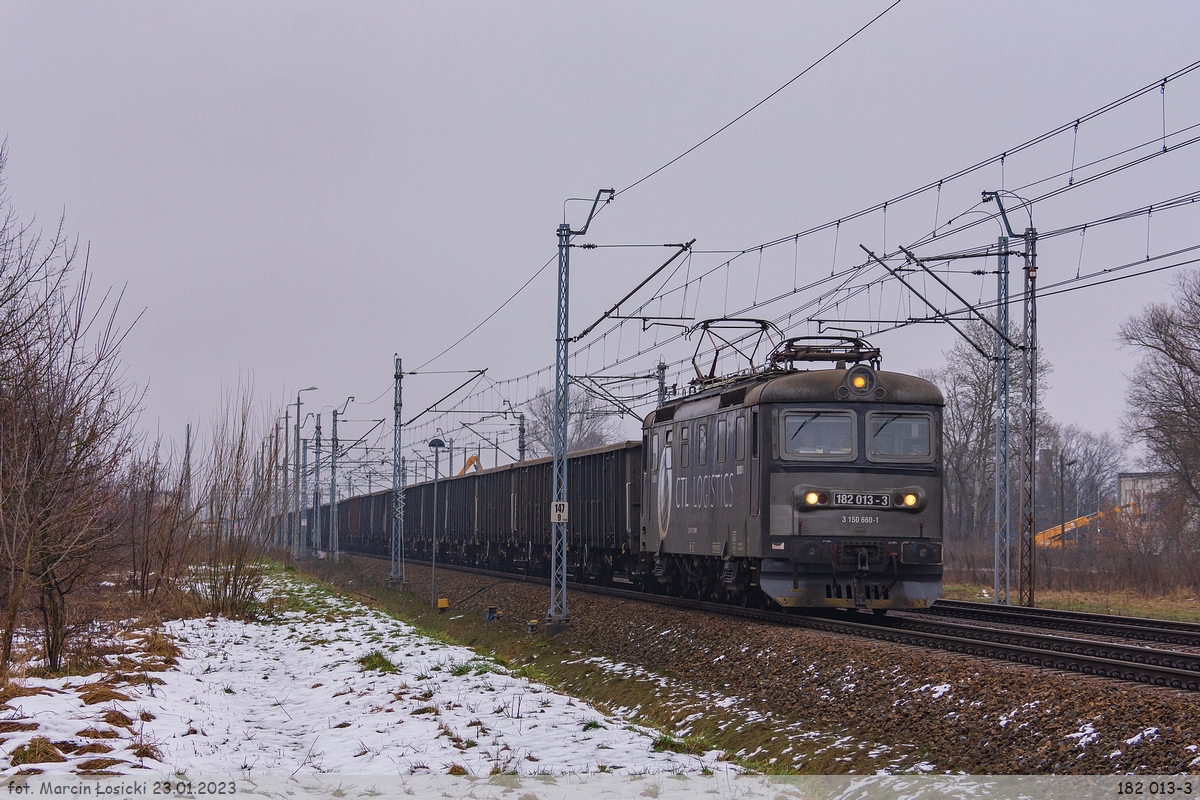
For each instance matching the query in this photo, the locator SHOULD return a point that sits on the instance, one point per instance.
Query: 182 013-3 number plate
(861, 500)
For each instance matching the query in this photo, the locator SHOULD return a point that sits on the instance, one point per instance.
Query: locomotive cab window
(899, 436)
(702, 444)
(684, 430)
(739, 436)
(722, 435)
(818, 434)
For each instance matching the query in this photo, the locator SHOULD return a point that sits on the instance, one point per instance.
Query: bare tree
(1164, 396)
(590, 423)
(65, 432)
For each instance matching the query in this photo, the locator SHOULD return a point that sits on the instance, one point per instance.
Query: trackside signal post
(558, 617)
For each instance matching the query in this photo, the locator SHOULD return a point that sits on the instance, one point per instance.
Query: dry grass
(11, 690)
(93, 747)
(117, 719)
(159, 645)
(145, 749)
(98, 765)
(100, 693)
(13, 726)
(138, 679)
(93, 733)
(38, 750)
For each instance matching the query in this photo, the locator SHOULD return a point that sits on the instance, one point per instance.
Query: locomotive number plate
(859, 500)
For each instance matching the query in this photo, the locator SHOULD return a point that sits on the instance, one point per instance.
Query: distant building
(1142, 488)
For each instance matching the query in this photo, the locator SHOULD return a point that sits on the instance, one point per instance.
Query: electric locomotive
(821, 488)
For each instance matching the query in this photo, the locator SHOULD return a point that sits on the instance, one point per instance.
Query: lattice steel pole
(1003, 543)
(398, 566)
(317, 487)
(558, 617)
(333, 494)
(305, 528)
(1029, 389)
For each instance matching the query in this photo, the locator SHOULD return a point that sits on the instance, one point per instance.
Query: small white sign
(558, 513)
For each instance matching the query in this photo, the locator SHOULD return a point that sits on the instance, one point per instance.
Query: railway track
(1147, 630)
(1102, 659)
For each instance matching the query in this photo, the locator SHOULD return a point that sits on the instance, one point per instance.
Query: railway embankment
(790, 699)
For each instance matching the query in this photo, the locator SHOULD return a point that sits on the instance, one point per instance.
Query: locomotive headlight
(860, 381)
(811, 498)
(910, 500)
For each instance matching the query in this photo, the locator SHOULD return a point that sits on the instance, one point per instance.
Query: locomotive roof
(802, 386)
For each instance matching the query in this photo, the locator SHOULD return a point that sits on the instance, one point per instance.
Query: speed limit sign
(558, 513)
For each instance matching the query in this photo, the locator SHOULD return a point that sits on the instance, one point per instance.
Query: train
(803, 488)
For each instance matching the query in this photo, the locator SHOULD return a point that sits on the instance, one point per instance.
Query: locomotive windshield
(818, 434)
(899, 436)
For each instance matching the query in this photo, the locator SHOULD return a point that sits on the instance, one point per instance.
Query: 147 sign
(558, 513)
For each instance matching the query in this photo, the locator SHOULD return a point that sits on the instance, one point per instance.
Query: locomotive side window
(722, 435)
(654, 453)
(702, 444)
(739, 428)
(897, 436)
(684, 430)
(818, 434)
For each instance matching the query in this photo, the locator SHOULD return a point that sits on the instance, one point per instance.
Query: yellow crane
(1057, 536)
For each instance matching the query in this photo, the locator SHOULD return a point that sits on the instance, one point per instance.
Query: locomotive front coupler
(860, 592)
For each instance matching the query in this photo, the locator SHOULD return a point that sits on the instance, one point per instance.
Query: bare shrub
(239, 482)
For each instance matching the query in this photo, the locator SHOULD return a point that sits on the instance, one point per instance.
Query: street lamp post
(297, 548)
(436, 445)
(1062, 503)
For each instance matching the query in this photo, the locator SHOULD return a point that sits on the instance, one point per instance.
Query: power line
(733, 121)
(486, 319)
(844, 288)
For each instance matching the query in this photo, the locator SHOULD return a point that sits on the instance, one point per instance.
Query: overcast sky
(296, 191)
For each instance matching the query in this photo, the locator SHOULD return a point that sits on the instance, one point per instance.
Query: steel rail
(1149, 630)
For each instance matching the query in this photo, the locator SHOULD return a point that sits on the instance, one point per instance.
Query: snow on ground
(336, 688)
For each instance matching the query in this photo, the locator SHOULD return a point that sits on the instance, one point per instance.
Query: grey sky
(299, 190)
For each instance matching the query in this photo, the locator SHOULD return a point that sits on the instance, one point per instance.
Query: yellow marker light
(811, 498)
(910, 500)
(860, 381)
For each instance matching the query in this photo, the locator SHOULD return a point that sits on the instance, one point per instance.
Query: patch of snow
(1087, 734)
(1150, 734)
(292, 698)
